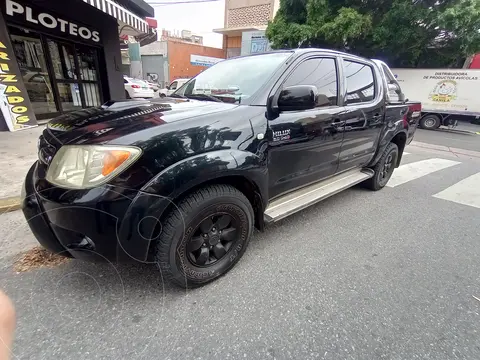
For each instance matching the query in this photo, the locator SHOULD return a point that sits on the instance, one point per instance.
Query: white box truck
(447, 95)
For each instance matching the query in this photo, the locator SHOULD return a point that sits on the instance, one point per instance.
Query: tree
(405, 33)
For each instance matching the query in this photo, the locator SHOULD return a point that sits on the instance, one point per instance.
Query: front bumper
(105, 223)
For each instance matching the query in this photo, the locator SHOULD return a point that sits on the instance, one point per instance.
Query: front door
(304, 146)
(364, 115)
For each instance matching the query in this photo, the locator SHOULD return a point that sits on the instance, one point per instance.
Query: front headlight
(87, 166)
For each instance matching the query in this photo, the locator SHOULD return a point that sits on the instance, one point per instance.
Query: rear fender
(391, 131)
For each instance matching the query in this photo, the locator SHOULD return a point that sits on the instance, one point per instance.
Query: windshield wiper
(203, 97)
(177, 96)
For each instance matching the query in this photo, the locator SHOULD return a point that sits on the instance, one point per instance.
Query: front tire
(384, 168)
(430, 122)
(205, 236)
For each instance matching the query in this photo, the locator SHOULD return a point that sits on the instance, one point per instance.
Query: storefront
(55, 59)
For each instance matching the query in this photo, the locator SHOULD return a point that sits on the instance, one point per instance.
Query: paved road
(363, 275)
(451, 139)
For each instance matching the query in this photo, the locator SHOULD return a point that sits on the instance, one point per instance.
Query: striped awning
(111, 8)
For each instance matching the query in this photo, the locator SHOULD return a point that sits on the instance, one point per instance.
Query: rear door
(364, 115)
(304, 145)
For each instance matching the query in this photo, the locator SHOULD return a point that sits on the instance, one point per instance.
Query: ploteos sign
(46, 20)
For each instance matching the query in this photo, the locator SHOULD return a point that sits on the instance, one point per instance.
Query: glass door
(65, 73)
(75, 69)
(33, 66)
(88, 64)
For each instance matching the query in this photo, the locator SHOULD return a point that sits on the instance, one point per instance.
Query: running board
(311, 194)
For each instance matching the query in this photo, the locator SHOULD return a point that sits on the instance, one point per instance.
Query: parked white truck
(447, 95)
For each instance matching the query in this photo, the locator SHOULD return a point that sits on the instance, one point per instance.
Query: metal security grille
(112, 8)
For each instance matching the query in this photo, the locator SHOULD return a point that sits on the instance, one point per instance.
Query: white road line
(418, 169)
(466, 192)
(406, 153)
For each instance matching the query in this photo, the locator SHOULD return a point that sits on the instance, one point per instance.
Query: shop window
(59, 76)
(63, 60)
(70, 96)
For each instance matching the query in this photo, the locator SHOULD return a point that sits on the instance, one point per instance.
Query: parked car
(174, 85)
(154, 86)
(135, 88)
(248, 142)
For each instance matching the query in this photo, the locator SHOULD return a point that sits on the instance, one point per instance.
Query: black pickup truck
(182, 181)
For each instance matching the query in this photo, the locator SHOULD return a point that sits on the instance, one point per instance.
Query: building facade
(174, 58)
(245, 25)
(56, 58)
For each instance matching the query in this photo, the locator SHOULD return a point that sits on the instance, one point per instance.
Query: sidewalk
(18, 151)
(463, 126)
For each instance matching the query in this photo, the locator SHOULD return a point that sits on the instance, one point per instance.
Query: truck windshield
(233, 80)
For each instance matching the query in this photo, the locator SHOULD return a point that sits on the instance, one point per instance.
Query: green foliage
(407, 33)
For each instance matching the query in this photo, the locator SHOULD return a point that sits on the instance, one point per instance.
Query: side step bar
(311, 194)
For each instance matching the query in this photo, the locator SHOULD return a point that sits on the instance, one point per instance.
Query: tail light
(414, 111)
(136, 86)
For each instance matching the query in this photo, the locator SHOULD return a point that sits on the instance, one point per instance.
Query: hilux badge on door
(281, 135)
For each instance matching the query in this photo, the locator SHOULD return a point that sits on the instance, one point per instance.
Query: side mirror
(299, 97)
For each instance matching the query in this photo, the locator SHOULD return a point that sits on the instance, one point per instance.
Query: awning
(123, 15)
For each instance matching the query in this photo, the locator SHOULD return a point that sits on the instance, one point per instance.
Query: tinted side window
(360, 82)
(173, 86)
(321, 72)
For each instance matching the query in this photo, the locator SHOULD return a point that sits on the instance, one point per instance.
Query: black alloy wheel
(388, 167)
(384, 168)
(212, 240)
(205, 235)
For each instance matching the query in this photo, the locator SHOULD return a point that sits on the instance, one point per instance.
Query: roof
(301, 51)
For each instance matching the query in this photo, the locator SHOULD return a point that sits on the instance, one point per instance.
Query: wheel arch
(401, 141)
(242, 183)
(398, 137)
(241, 169)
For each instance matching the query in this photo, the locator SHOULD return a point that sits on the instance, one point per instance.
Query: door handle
(338, 122)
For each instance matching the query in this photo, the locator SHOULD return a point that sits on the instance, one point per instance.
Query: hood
(118, 118)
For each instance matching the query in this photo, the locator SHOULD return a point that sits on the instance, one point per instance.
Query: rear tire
(162, 95)
(205, 236)
(127, 95)
(430, 122)
(384, 168)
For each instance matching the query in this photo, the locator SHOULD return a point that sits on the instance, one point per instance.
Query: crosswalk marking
(466, 192)
(418, 169)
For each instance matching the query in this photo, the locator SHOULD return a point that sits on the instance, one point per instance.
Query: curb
(446, 148)
(10, 204)
(463, 132)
